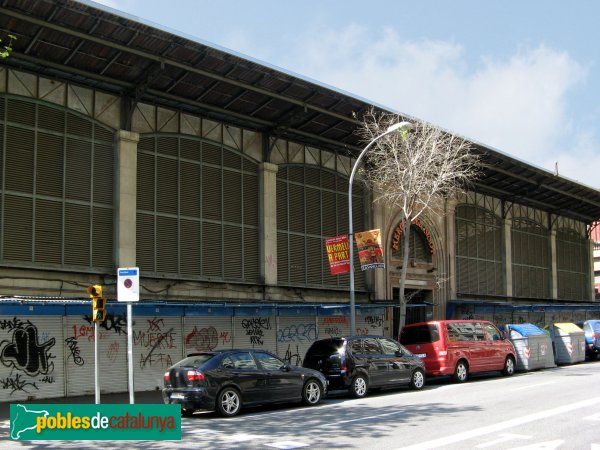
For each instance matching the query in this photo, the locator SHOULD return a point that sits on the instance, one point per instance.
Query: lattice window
(56, 186)
(479, 251)
(418, 249)
(531, 264)
(573, 264)
(312, 204)
(197, 211)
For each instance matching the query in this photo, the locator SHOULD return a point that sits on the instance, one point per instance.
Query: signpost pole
(96, 369)
(128, 290)
(130, 353)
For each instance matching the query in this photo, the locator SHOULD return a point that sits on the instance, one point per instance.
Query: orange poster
(338, 253)
(370, 252)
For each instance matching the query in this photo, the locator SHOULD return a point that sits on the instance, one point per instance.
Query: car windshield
(194, 361)
(420, 334)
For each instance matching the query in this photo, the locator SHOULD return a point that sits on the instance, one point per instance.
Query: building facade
(595, 235)
(223, 198)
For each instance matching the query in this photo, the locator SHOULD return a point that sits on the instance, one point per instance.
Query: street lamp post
(401, 126)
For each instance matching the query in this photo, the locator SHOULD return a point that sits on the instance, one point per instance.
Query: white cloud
(518, 105)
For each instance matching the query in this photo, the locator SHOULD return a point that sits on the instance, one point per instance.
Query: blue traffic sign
(127, 272)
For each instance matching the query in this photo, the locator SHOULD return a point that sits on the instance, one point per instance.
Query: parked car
(459, 347)
(228, 380)
(591, 328)
(358, 363)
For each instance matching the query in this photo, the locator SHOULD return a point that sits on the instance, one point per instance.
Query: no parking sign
(128, 284)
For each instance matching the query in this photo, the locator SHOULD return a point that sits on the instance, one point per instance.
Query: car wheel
(359, 386)
(417, 380)
(229, 402)
(461, 372)
(312, 392)
(509, 366)
(187, 412)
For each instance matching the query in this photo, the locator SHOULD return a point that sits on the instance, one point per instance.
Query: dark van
(459, 347)
(358, 363)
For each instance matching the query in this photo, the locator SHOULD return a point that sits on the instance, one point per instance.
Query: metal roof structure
(95, 46)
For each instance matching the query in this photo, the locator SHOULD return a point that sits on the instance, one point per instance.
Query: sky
(522, 77)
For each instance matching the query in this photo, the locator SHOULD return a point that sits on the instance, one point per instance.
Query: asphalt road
(550, 409)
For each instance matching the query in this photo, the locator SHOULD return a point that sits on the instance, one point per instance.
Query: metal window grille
(197, 213)
(418, 249)
(531, 263)
(573, 265)
(479, 251)
(56, 186)
(312, 204)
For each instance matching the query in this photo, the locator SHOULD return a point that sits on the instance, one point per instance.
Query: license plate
(176, 396)
(421, 355)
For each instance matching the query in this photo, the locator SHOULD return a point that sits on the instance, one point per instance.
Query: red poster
(338, 253)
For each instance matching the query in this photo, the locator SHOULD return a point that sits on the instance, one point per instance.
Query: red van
(459, 347)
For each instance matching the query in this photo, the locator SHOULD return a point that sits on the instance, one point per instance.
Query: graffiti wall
(295, 334)
(112, 353)
(31, 353)
(333, 326)
(255, 331)
(157, 345)
(204, 333)
(52, 354)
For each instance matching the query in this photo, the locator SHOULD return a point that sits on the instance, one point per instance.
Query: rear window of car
(194, 361)
(420, 334)
(326, 347)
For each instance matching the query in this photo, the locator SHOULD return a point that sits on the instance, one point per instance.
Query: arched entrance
(422, 278)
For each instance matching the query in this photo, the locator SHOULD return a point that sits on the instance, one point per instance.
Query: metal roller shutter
(156, 347)
(202, 333)
(295, 334)
(112, 353)
(333, 323)
(31, 353)
(255, 328)
(369, 321)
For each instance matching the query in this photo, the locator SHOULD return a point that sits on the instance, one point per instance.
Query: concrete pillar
(592, 270)
(507, 223)
(380, 276)
(554, 265)
(268, 238)
(449, 247)
(125, 198)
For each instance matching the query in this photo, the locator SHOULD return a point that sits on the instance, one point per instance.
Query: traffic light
(98, 303)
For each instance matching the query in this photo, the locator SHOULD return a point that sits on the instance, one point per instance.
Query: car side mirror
(399, 353)
(286, 367)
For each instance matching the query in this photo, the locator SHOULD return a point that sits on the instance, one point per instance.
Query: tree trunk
(403, 273)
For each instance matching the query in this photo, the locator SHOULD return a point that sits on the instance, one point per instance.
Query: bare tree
(412, 170)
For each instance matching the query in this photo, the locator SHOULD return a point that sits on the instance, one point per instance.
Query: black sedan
(229, 379)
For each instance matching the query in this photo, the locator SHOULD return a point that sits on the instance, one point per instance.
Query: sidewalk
(123, 397)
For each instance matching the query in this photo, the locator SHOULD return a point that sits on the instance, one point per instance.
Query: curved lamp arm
(401, 126)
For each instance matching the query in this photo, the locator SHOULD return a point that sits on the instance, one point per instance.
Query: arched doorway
(422, 273)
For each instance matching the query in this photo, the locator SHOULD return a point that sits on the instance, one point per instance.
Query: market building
(126, 145)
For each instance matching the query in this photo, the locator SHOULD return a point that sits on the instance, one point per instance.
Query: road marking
(529, 386)
(505, 438)
(287, 445)
(242, 437)
(360, 419)
(548, 445)
(517, 421)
